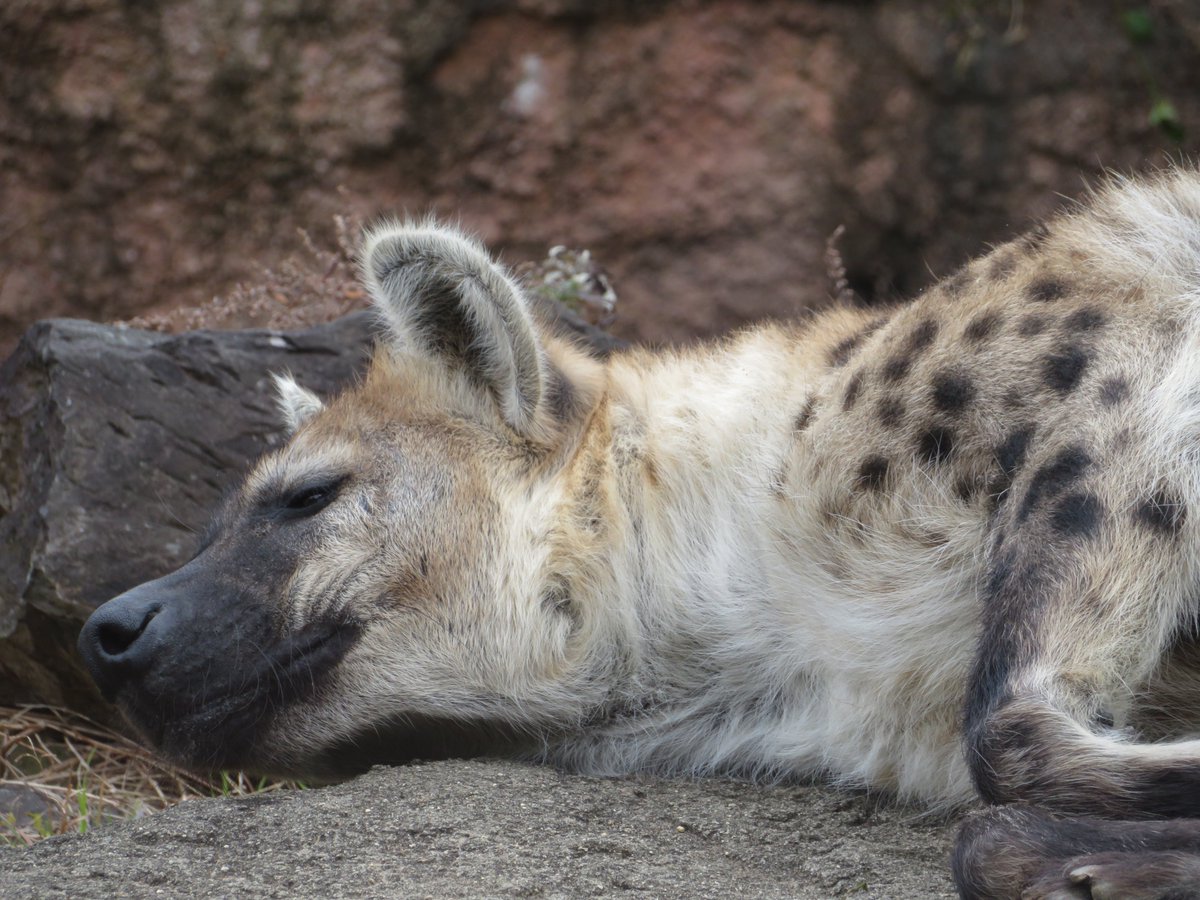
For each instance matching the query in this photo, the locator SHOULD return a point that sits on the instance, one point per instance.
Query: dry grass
(61, 772)
(321, 284)
(316, 285)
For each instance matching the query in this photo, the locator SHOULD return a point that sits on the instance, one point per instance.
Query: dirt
(501, 829)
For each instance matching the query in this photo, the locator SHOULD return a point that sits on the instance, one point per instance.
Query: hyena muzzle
(947, 550)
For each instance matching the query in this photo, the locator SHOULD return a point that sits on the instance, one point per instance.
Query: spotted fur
(947, 551)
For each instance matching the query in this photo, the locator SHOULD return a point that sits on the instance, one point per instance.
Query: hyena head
(397, 580)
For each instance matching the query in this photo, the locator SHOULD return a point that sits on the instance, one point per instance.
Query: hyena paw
(1149, 875)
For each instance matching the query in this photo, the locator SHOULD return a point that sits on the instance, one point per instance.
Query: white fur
(296, 404)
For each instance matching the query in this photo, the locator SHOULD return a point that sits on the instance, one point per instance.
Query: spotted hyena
(946, 550)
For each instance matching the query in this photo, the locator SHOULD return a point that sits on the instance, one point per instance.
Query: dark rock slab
(115, 445)
(498, 829)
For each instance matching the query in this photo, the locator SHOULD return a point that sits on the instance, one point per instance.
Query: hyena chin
(945, 550)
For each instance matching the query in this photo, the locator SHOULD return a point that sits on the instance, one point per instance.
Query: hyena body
(939, 550)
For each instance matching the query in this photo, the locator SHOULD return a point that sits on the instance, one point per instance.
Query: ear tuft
(296, 404)
(442, 295)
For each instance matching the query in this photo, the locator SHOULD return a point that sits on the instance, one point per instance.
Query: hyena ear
(442, 294)
(296, 404)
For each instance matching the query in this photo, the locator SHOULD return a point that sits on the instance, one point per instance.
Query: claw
(1083, 874)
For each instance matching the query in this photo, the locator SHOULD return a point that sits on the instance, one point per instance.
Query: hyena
(945, 550)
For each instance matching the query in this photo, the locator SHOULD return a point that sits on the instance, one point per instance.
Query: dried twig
(835, 268)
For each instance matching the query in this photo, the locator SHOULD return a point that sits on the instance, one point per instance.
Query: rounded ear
(442, 295)
(296, 404)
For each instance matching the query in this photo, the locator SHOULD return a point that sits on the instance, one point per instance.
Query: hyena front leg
(1070, 637)
(1080, 609)
(1021, 851)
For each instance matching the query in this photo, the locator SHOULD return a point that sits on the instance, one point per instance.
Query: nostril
(116, 637)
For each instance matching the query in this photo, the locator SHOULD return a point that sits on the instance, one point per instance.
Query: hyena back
(941, 550)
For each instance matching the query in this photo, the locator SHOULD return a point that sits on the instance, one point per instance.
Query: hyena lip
(215, 724)
(405, 739)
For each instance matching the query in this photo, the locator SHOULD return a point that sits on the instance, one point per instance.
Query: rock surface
(115, 446)
(152, 154)
(498, 829)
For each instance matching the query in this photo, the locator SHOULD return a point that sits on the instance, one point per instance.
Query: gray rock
(499, 829)
(115, 445)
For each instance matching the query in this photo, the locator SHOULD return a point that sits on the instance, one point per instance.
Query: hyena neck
(692, 444)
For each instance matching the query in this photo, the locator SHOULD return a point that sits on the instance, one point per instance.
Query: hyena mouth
(200, 670)
(217, 724)
(416, 737)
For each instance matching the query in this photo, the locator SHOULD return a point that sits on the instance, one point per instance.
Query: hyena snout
(198, 663)
(121, 639)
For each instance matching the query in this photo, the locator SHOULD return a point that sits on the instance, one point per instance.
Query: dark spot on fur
(891, 412)
(956, 283)
(997, 490)
(804, 417)
(917, 341)
(1077, 515)
(964, 489)
(1086, 319)
(846, 348)
(1011, 454)
(1031, 325)
(1002, 265)
(983, 327)
(556, 599)
(872, 472)
(952, 391)
(922, 336)
(1103, 719)
(1038, 237)
(1046, 290)
(853, 388)
(1113, 391)
(873, 326)
(935, 444)
(1162, 512)
(843, 350)
(1055, 477)
(1063, 370)
(896, 368)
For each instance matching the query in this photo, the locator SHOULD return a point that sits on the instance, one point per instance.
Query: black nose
(118, 641)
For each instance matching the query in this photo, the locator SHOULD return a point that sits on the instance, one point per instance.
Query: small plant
(1140, 29)
(84, 821)
(572, 278)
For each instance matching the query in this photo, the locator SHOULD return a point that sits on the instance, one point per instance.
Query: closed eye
(309, 499)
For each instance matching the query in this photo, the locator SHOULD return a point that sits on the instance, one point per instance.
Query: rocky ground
(501, 829)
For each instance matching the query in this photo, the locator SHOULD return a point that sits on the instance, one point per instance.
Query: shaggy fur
(944, 550)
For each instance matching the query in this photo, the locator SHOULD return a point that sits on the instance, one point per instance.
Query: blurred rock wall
(155, 153)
